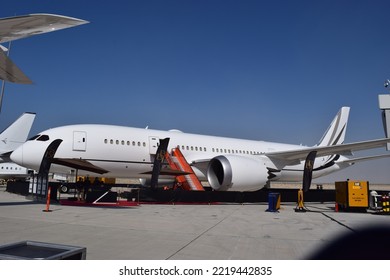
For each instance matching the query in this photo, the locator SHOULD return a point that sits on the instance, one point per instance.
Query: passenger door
(79, 141)
(154, 142)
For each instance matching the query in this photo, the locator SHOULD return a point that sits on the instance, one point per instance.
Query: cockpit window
(34, 137)
(43, 138)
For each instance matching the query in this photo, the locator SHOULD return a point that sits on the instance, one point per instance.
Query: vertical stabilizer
(17, 133)
(335, 133)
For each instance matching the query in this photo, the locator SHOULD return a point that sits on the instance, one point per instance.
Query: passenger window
(122, 142)
(117, 142)
(105, 141)
(111, 141)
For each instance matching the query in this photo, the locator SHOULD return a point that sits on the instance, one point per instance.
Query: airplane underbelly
(125, 169)
(291, 175)
(116, 169)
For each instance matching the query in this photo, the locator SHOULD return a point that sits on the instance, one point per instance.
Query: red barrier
(48, 200)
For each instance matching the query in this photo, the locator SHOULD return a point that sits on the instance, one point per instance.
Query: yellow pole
(301, 206)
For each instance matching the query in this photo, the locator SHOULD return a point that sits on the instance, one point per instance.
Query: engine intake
(237, 173)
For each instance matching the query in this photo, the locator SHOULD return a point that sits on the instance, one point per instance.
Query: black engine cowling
(237, 173)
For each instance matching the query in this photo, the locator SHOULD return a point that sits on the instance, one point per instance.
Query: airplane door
(79, 141)
(154, 142)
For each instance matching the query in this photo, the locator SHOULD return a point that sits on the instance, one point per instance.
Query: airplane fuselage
(129, 152)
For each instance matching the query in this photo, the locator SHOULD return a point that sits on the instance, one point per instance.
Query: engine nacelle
(237, 173)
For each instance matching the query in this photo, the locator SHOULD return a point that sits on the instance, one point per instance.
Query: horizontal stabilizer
(14, 28)
(354, 160)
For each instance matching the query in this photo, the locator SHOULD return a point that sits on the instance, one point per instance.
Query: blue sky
(267, 70)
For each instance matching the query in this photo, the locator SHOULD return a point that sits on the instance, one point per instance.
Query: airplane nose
(17, 155)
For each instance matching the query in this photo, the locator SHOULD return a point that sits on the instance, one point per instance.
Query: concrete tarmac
(184, 232)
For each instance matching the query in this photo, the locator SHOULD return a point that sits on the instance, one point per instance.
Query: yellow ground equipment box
(352, 194)
(101, 179)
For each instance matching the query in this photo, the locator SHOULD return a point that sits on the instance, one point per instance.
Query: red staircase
(177, 161)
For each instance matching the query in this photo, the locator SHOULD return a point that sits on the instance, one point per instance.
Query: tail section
(17, 133)
(335, 133)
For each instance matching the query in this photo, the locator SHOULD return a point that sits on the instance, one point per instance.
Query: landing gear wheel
(64, 189)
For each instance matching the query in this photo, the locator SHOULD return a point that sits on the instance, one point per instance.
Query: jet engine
(237, 173)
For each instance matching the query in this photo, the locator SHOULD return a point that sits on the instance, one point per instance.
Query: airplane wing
(79, 164)
(10, 72)
(297, 155)
(14, 28)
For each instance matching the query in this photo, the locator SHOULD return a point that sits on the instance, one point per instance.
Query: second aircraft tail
(16, 134)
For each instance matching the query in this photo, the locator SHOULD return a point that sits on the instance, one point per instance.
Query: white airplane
(227, 164)
(18, 27)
